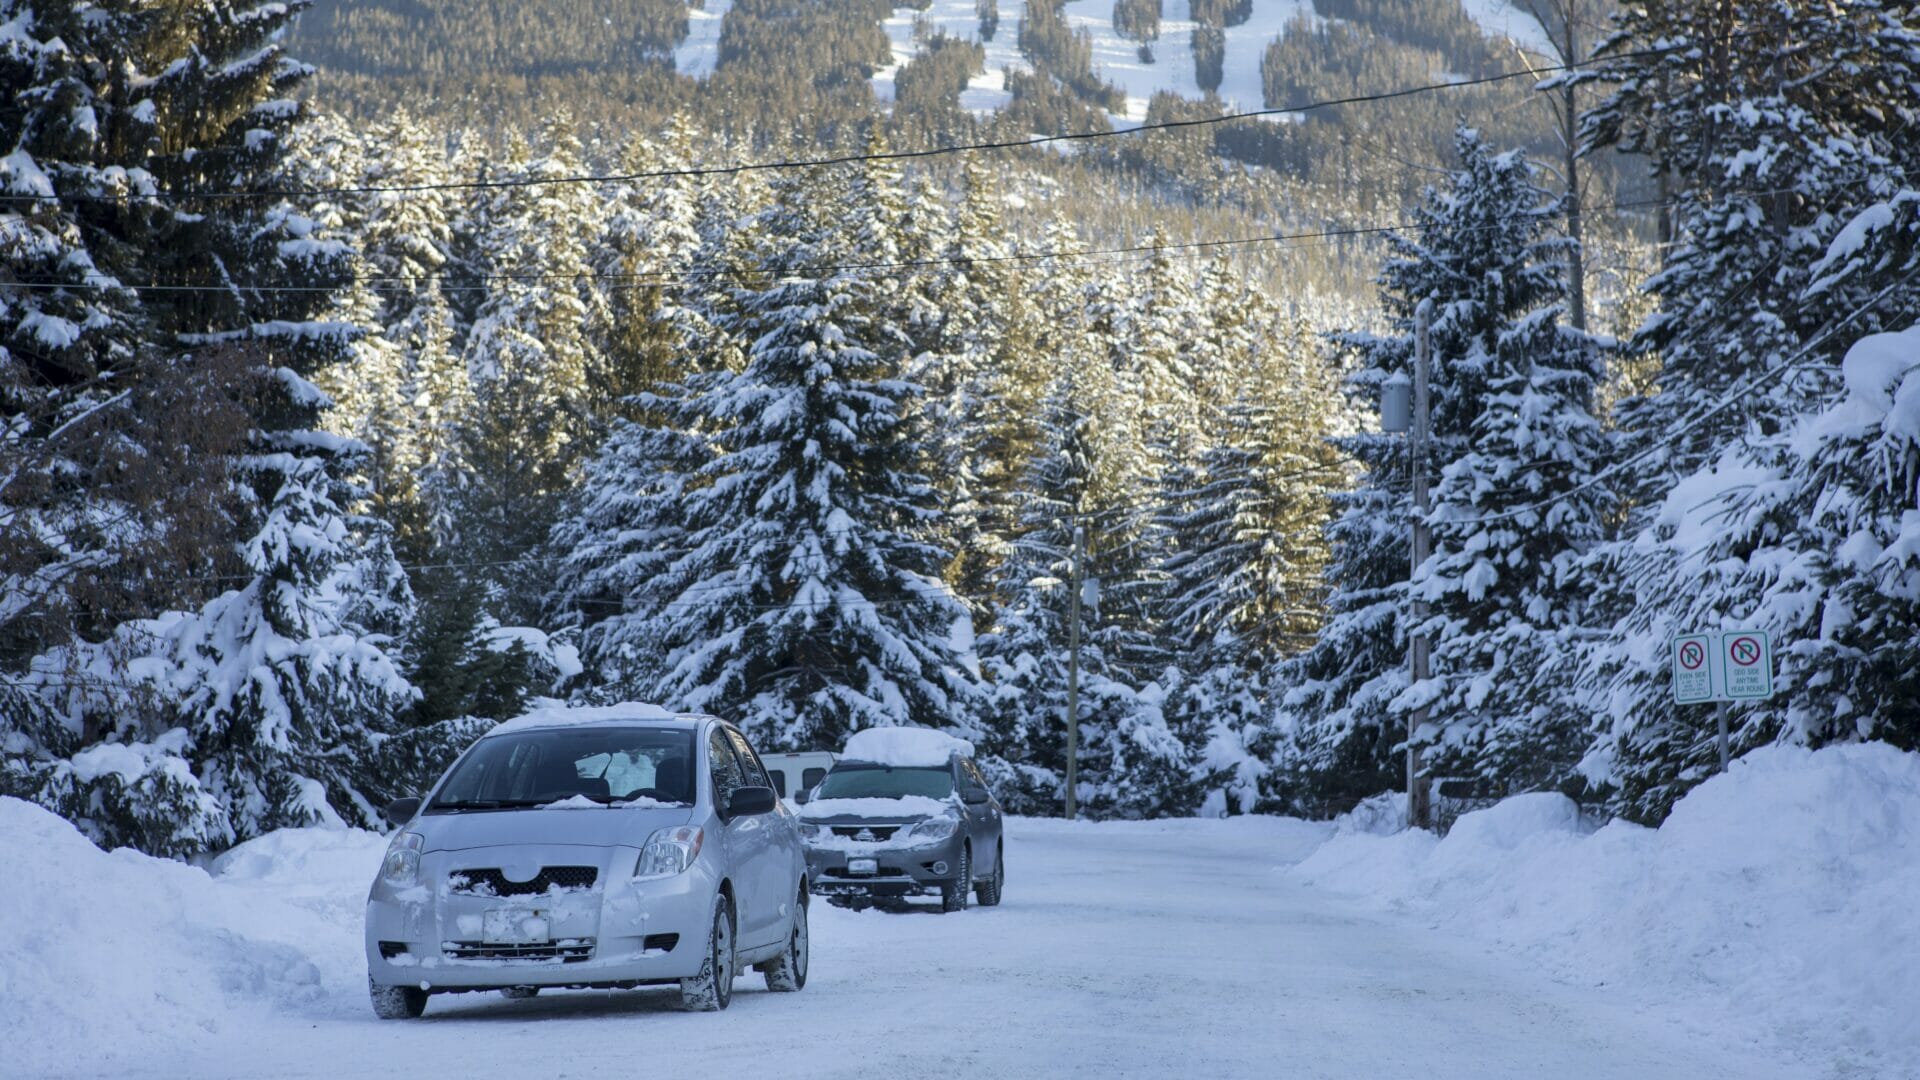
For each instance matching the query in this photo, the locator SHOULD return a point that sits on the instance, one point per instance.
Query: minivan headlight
(934, 828)
(402, 865)
(813, 833)
(669, 852)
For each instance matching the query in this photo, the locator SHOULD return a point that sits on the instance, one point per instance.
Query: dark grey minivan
(904, 812)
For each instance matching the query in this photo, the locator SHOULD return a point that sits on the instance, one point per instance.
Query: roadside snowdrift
(106, 956)
(1782, 892)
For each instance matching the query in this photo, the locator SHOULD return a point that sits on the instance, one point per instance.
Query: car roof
(630, 714)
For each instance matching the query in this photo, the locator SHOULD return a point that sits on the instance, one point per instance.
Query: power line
(708, 275)
(741, 168)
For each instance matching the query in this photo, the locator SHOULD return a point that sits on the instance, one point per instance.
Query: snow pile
(106, 957)
(558, 715)
(1782, 891)
(905, 747)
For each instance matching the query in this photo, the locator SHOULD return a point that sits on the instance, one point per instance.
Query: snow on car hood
(602, 826)
(904, 808)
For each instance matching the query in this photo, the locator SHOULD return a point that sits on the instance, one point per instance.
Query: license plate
(516, 926)
(863, 866)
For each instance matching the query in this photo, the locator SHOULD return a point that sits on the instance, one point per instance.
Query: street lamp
(1404, 408)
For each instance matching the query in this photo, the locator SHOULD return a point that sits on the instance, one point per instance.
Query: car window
(779, 782)
(600, 763)
(750, 767)
(726, 770)
(811, 777)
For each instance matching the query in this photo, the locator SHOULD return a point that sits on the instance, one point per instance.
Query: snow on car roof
(569, 715)
(913, 747)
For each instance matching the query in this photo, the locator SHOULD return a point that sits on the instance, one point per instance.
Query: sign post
(1722, 667)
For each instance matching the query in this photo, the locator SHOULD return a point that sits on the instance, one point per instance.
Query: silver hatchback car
(591, 847)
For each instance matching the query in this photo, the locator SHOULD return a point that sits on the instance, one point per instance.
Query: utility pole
(1073, 666)
(1720, 716)
(1419, 798)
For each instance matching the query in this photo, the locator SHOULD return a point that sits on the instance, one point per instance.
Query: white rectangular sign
(1746, 664)
(1727, 665)
(1693, 669)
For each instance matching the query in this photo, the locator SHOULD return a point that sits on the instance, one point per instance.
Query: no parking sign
(1731, 665)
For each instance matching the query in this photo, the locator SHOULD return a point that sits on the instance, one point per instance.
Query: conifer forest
(371, 372)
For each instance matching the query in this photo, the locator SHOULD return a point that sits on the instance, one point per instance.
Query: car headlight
(812, 833)
(669, 852)
(934, 828)
(402, 864)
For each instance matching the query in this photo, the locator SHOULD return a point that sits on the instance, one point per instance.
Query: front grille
(874, 833)
(489, 881)
(566, 950)
(884, 871)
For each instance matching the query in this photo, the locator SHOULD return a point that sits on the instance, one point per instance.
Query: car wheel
(712, 989)
(988, 891)
(397, 1002)
(520, 993)
(788, 972)
(953, 894)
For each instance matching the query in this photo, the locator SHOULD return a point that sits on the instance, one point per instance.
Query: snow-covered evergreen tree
(803, 604)
(256, 706)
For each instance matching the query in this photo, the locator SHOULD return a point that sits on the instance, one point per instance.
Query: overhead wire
(741, 168)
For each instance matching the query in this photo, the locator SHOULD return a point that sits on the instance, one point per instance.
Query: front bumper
(620, 932)
(900, 868)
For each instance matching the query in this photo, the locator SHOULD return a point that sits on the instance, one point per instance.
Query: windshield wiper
(486, 804)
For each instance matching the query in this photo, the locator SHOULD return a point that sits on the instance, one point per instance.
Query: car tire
(988, 892)
(712, 989)
(787, 972)
(953, 894)
(397, 1002)
(519, 993)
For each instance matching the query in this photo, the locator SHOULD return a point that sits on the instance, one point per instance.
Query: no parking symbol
(1749, 665)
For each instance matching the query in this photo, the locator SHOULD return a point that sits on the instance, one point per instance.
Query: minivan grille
(489, 881)
(872, 833)
(567, 950)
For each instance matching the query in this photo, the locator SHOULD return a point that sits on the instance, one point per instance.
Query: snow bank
(108, 957)
(905, 747)
(1782, 892)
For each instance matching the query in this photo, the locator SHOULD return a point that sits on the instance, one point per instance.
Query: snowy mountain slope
(1116, 59)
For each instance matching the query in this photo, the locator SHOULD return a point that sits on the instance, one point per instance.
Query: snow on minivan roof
(910, 747)
(568, 715)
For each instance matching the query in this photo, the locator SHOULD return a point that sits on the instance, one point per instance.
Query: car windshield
(862, 781)
(604, 764)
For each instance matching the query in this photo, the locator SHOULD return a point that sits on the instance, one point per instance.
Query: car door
(741, 838)
(774, 862)
(984, 822)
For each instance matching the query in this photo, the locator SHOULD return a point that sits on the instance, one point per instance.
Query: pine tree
(803, 606)
(1477, 259)
(255, 707)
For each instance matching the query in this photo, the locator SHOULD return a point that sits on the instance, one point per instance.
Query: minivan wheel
(788, 971)
(712, 989)
(397, 1002)
(988, 892)
(953, 894)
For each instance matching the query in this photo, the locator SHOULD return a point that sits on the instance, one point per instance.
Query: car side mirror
(975, 796)
(748, 801)
(800, 797)
(401, 811)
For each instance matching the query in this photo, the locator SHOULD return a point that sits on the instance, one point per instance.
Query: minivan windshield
(857, 780)
(609, 765)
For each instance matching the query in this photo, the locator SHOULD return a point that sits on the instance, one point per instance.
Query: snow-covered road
(1165, 949)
